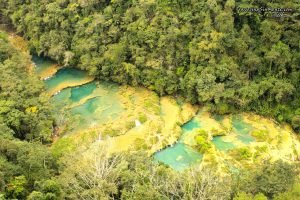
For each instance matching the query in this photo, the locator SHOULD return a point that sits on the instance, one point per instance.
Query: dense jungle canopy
(209, 52)
(206, 51)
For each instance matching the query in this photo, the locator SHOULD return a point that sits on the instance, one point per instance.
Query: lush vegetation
(206, 51)
(25, 123)
(96, 175)
(23, 109)
(202, 50)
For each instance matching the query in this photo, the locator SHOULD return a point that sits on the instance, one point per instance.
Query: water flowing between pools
(92, 103)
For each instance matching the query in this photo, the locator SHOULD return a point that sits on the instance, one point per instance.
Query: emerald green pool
(80, 92)
(42, 64)
(65, 75)
(95, 103)
(242, 129)
(179, 156)
(190, 125)
(241, 132)
(94, 110)
(221, 144)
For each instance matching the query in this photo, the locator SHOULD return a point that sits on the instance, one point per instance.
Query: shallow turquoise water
(242, 129)
(94, 111)
(179, 157)
(62, 99)
(221, 145)
(240, 126)
(246, 139)
(100, 109)
(84, 113)
(97, 110)
(78, 93)
(190, 125)
(41, 63)
(65, 75)
(88, 107)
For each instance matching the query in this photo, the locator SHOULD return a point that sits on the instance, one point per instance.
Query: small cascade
(91, 103)
(56, 93)
(137, 123)
(66, 77)
(46, 78)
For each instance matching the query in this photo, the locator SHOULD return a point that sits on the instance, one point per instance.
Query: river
(84, 105)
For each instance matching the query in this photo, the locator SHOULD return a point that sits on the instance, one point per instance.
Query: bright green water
(101, 107)
(242, 129)
(179, 156)
(97, 110)
(240, 126)
(94, 111)
(221, 145)
(62, 99)
(65, 75)
(190, 125)
(41, 63)
(85, 113)
(78, 93)
(105, 105)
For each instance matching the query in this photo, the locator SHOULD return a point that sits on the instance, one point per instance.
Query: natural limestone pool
(45, 68)
(88, 102)
(167, 130)
(179, 156)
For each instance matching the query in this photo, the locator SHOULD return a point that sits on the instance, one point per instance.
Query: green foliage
(22, 164)
(245, 196)
(22, 107)
(205, 51)
(135, 176)
(260, 135)
(260, 196)
(16, 188)
(222, 108)
(293, 193)
(25, 122)
(269, 179)
(243, 153)
(130, 124)
(201, 50)
(203, 141)
(142, 118)
(48, 189)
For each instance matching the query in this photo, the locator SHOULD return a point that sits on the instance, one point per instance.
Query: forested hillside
(206, 51)
(28, 169)
(25, 123)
